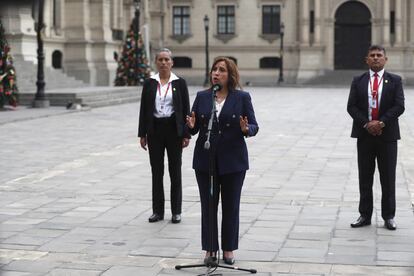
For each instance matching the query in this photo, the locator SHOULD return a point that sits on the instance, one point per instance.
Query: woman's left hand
(186, 142)
(244, 124)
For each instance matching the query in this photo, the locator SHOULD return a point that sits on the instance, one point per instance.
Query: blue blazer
(390, 108)
(227, 139)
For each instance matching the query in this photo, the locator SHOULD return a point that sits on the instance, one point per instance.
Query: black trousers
(369, 150)
(230, 186)
(165, 138)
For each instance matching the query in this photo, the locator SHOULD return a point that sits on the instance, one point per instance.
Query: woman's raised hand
(244, 124)
(190, 120)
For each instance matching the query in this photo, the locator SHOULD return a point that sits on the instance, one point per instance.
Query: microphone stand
(212, 262)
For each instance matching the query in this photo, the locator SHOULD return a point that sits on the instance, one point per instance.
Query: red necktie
(374, 110)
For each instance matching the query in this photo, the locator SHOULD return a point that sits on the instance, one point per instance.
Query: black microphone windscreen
(217, 87)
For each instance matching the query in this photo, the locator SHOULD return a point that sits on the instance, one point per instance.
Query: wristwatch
(382, 124)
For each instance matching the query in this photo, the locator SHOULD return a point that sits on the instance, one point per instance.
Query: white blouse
(219, 107)
(164, 107)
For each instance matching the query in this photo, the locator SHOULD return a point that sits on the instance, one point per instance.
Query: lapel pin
(174, 87)
(386, 81)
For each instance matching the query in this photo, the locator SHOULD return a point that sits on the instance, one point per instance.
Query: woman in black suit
(164, 106)
(234, 121)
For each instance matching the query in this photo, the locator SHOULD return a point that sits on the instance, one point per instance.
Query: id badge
(373, 103)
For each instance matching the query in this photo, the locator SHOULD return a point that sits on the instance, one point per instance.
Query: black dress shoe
(155, 217)
(229, 261)
(361, 221)
(176, 218)
(390, 224)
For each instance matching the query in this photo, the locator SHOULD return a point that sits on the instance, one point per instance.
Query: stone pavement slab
(75, 195)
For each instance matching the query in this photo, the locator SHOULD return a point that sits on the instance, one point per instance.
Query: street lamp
(207, 77)
(282, 33)
(40, 99)
(136, 37)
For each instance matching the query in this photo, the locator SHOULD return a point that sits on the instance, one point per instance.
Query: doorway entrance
(352, 35)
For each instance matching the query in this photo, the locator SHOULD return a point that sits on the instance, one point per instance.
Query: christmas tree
(8, 87)
(133, 66)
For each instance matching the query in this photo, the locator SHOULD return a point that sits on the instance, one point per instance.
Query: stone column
(398, 22)
(146, 27)
(19, 26)
(78, 50)
(304, 26)
(318, 22)
(386, 23)
(102, 45)
(410, 22)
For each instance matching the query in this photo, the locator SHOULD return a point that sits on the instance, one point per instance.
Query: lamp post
(282, 33)
(207, 77)
(136, 37)
(40, 99)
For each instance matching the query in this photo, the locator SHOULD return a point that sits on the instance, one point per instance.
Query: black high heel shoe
(210, 258)
(229, 261)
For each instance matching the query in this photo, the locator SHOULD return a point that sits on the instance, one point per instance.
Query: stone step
(54, 78)
(91, 96)
(335, 78)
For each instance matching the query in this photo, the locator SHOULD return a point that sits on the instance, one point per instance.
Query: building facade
(80, 36)
(319, 36)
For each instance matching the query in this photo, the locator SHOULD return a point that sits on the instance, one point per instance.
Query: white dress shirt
(164, 107)
(370, 85)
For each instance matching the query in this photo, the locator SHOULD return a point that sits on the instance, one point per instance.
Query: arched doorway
(352, 35)
(57, 59)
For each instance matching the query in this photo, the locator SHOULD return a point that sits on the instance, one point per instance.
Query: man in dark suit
(376, 100)
(165, 104)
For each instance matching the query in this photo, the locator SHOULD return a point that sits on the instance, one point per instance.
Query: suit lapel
(385, 84)
(153, 93)
(174, 91)
(228, 104)
(364, 89)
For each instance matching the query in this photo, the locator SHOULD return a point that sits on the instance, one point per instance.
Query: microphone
(216, 87)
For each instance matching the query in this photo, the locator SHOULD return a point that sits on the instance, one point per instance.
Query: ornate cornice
(171, 3)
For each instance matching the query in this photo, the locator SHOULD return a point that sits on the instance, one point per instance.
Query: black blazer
(391, 106)
(181, 104)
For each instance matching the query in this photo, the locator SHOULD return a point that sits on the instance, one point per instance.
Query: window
(57, 16)
(225, 20)
(392, 22)
(270, 62)
(271, 19)
(57, 59)
(312, 22)
(182, 62)
(117, 34)
(181, 20)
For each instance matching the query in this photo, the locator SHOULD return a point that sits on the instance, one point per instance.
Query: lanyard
(371, 85)
(166, 91)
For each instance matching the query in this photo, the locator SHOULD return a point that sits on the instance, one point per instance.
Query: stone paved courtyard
(75, 192)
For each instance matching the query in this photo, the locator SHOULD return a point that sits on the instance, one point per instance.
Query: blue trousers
(229, 186)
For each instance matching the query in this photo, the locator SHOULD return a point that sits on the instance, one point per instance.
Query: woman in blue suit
(234, 121)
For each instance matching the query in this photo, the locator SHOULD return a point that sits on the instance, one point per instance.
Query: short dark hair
(376, 47)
